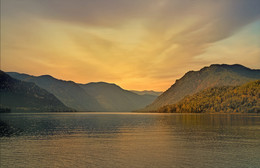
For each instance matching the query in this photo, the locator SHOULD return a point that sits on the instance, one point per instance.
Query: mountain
(113, 98)
(19, 96)
(195, 81)
(147, 92)
(68, 92)
(99, 96)
(228, 99)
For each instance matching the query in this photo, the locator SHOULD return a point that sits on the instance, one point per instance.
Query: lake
(129, 140)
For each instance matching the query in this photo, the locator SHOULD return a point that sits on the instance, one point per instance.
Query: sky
(137, 44)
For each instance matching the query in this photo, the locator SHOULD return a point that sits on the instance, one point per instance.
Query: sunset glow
(140, 45)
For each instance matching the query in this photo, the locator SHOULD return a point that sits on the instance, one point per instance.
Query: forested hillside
(227, 99)
(216, 75)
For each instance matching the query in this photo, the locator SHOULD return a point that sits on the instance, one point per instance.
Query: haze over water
(129, 140)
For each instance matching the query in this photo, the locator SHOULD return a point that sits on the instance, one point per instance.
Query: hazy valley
(204, 88)
(98, 96)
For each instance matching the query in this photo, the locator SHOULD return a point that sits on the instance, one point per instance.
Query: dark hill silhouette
(99, 96)
(70, 93)
(19, 96)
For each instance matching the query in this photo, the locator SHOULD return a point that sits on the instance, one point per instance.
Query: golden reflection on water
(130, 140)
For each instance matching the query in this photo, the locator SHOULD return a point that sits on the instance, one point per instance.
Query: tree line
(226, 99)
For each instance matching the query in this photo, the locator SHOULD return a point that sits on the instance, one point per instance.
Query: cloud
(127, 42)
(244, 48)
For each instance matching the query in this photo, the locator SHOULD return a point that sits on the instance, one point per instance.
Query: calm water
(129, 140)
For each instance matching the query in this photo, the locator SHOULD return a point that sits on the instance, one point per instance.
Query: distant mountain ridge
(95, 96)
(70, 93)
(114, 98)
(19, 96)
(147, 92)
(194, 81)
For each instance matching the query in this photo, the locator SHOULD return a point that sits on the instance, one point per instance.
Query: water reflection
(5, 129)
(129, 140)
(51, 124)
(55, 124)
(213, 120)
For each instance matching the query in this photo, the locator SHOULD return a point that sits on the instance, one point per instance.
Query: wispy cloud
(137, 44)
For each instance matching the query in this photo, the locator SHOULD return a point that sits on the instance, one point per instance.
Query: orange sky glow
(139, 45)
